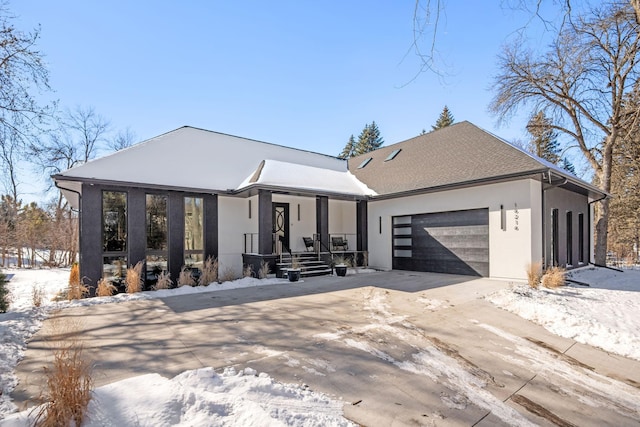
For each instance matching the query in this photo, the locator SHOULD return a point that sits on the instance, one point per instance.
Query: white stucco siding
(302, 226)
(342, 218)
(509, 250)
(233, 223)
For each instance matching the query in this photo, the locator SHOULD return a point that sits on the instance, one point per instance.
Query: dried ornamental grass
(185, 278)
(74, 276)
(209, 271)
(554, 278)
(133, 281)
(77, 291)
(264, 270)
(228, 275)
(164, 281)
(105, 288)
(37, 295)
(68, 382)
(247, 271)
(534, 274)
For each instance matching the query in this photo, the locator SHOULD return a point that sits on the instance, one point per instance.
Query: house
(456, 200)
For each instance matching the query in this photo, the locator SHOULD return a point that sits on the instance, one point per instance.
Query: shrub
(68, 384)
(209, 271)
(228, 275)
(264, 270)
(133, 281)
(37, 295)
(164, 281)
(4, 294)
(534, 274)
(105, 288)
(185, 278)
(295, 262)
(247, 271)
(554, 277)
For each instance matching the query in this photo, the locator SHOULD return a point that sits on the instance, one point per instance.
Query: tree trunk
(602, 224)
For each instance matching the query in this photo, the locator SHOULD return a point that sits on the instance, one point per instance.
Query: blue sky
(297, 73)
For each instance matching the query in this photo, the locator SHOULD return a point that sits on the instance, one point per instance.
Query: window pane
(114, 267)
(114, 221)
(156, 222)
(193, 230)
(156, 263)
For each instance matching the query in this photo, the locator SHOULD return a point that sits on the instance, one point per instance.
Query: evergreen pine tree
(4, 294)
(369, 139)
(349, 150)
(445, 119)
(544, 143)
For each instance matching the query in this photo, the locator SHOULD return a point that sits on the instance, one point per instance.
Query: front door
(281, 225)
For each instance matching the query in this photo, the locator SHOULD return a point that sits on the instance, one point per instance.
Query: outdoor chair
(339, 243)
(308, 243)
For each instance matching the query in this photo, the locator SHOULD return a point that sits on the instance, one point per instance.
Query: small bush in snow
(77, 289)
(554, 277)
(4, 294)
(185, 278)
(534, 274)
(37, 295)
(105, 288)
(164, 281)
(133, 281)
(264, 270)
(209, 271)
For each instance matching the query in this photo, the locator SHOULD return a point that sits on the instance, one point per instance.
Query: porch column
(322, 221)
(176, 234)
(362, 236)
(91, 234)
(265, 222)
(136, 228)
(210, 225)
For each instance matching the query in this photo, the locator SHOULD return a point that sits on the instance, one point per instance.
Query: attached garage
(455, 242)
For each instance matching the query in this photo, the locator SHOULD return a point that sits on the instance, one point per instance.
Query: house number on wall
(516, 216)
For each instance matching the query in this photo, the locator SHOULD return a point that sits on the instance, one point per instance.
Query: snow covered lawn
(604, 314)
(195, 397)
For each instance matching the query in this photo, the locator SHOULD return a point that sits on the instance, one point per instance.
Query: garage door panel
(454, 242)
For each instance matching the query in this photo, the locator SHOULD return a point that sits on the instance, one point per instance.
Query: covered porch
(309, 231)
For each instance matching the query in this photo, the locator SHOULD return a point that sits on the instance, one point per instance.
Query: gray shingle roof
(457, 154)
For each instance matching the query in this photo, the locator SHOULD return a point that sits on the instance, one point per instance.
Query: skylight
(364, 163)
(393, 154)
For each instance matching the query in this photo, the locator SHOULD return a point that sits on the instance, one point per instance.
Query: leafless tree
(123, 139)
(581, 83)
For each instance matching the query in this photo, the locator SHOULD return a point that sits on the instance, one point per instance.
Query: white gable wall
(233, 222)
(510, 250)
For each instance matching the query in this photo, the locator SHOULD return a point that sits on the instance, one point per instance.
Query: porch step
(310, 266)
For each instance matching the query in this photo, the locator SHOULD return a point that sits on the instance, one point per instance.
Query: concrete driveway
(400, 348)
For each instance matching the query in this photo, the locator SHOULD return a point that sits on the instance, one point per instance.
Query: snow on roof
(192, 158)
(293, 175)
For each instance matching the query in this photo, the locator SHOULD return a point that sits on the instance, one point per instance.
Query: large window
(114, 233)
(156, 251)
(193, 232)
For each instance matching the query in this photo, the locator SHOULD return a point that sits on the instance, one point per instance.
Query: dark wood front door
(281, 224)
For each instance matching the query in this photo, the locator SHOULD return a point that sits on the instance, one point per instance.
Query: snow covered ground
(242, 398)
(603, 314)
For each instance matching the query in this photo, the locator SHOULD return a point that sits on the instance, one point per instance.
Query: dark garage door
(445, 242)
